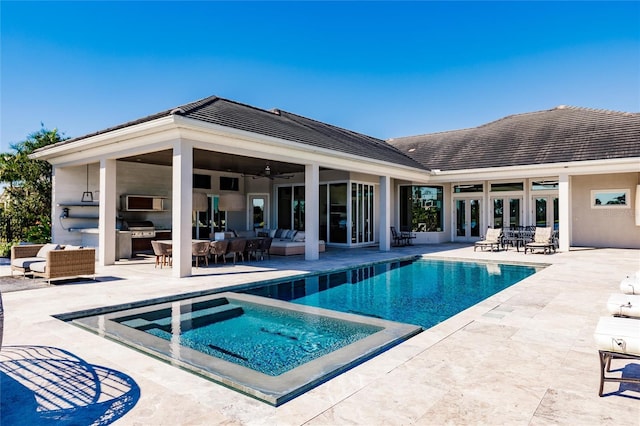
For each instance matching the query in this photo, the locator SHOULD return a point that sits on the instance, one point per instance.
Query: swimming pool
(423, 292)
(281, 338)
(269, 349)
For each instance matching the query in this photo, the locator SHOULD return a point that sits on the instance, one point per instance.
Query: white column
(564, 215)
(311, 211)
(385, 213)
(181, 208)
(107, 213)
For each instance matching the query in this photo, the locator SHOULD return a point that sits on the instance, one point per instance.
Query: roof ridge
(373, 138)
(559, 107)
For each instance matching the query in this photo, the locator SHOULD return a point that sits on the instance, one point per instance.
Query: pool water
(265, 339)
(423, 292)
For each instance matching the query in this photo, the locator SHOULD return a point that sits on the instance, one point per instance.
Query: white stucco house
(216, 164)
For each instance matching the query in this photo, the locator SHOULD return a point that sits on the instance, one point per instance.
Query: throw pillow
(299, 237)
(46, 249)
(278, 233)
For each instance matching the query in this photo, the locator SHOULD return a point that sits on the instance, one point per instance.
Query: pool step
(203, 314)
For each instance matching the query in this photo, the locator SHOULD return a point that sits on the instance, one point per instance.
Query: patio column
(564, 214)
(107, 213)
(385, 213)
(311, 211)
(181, 205)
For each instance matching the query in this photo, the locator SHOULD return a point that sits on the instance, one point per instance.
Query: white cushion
(38, 266)
(298, 237)
(46, 249)
(620, 335)
(72, 247)
(624, 304)
(25, 262)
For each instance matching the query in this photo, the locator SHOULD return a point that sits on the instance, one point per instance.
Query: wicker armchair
(218, 249)
(163, 252)
(200, 249)
(236, 247)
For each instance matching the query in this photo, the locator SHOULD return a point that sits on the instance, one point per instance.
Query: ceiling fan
(269, 174)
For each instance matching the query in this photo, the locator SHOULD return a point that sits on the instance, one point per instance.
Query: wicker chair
(236, 247)
(200, 249)
(163, 253)
(218, 249)
(251, 248)
(264, 247)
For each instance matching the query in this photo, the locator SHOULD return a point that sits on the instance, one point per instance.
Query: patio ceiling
(219, 161)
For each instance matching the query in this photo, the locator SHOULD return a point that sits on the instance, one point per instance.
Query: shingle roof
(278, 124)
(562, 134)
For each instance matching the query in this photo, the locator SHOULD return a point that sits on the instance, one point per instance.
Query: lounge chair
(617, 338)
(543, 240)
(493, 238)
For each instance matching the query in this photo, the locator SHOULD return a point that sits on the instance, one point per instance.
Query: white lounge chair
(493, 238)
(617, 338)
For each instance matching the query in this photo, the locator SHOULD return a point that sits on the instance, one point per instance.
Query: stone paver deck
(524, 356)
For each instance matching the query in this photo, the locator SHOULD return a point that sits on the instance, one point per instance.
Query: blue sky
(385, 69)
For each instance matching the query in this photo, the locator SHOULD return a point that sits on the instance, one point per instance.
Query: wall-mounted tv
(229, 183)
(202, 181)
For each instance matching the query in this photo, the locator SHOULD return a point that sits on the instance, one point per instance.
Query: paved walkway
(524, 356)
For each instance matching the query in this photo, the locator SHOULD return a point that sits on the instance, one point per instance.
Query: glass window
(512, 186)
(610, 198)
(284, 207)
(542, 185)
(468, 188)
(298, 208)
(421, 208)
(338, 213)
(498, 213)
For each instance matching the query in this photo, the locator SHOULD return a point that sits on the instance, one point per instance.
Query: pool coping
(274, 390)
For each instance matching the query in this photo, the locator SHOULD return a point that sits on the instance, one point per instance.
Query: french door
(545, 211)
(507, 212)
(467, 224)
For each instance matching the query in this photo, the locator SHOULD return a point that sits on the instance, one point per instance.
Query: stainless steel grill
(143, 229)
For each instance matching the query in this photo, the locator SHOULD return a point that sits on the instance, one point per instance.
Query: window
(228, 183)
(421, 208)
(610, 198)
(511, 186)
(202, 181)
(468, 188)
(544, 185)
(291, 207)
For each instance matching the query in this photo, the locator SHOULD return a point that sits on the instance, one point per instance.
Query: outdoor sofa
(52, 261)
(286, 242)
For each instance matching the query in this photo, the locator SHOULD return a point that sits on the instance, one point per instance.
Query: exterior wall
(603, 227)
(145, 179)
(68, 185)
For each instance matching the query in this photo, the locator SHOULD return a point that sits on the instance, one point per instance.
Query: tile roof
(562, 134)
(278, 124)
